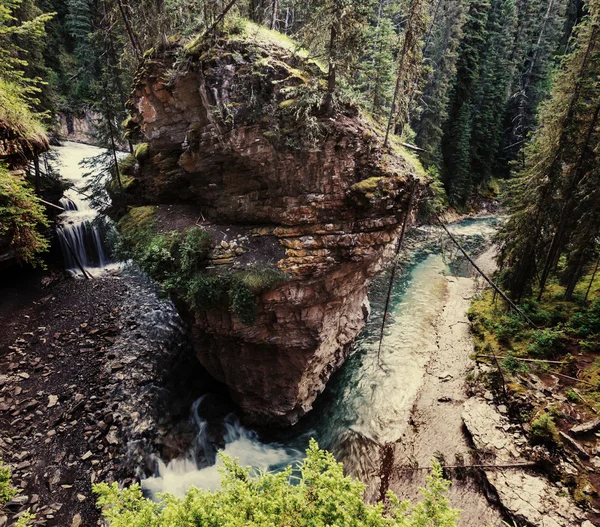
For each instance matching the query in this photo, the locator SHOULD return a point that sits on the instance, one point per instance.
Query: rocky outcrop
(526, 496)
(235, 131)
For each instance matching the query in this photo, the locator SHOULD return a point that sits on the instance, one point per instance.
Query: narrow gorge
(284, 263)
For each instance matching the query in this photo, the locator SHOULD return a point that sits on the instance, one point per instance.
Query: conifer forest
(300, 263)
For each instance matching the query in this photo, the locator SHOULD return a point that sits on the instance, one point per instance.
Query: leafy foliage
(322, 495)
(7, 491)
(178, 260)
(21, 217)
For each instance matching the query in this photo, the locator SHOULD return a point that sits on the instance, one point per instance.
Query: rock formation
(233, 130)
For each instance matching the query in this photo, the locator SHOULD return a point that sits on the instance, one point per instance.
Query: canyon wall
(235, 142)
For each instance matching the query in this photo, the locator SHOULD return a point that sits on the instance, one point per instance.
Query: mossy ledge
(236, 144)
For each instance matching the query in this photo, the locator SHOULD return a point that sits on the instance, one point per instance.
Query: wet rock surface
(87, 370)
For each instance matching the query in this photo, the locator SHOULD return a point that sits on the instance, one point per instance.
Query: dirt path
(437, 428)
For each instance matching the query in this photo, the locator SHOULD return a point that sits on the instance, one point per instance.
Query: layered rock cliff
(235, 143)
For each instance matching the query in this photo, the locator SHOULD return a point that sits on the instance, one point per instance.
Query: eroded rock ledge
(525, 495)
(234, 133)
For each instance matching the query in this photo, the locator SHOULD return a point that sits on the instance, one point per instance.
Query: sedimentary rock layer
(232, 134)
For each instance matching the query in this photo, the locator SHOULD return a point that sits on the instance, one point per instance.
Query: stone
(529, 498)
(309, 211)
(584, 428)
(77, 521)
(52, 400)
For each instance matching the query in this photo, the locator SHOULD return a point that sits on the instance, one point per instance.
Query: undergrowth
(566, 341)
(22, 217)
(178, 261)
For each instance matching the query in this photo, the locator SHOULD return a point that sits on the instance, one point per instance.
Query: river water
(367, 403)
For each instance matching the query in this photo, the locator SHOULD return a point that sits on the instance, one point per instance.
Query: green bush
(547, 342)
(178, 262)
(21, 217)
(586, 323)
(7, 491)
(322, 496)
(543, 430)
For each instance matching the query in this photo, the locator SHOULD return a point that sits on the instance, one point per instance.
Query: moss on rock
(142, 152)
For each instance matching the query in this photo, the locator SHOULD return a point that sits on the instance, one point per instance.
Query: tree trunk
(587, 293)
(36, 165)
(331, 75)
(274, 14)
(135, 43)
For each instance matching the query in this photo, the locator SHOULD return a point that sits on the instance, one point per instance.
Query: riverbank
(435, 428)
(94, 375)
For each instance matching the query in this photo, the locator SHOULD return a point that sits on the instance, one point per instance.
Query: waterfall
(80, 237)
(200, 466)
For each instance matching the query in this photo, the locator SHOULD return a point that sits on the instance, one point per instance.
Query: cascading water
(366, 404)
(80, 237)
(200, 466)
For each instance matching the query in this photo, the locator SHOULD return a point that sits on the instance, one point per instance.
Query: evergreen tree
(554, 205)
(490, 96)
(335, 31)
(409, 69)
(440, 58)
(458, 127)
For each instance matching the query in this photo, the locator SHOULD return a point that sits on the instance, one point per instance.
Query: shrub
(543, 430)
(7, 491)
(586, 323)
(321, 496)
(21, 217)
(547, 342)
(513, 365)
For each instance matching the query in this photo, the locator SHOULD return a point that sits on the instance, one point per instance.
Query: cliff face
(236, 136)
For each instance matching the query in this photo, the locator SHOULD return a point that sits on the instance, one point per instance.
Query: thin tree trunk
(399, 79)
(592, 279)
(331, 75)
(36, 166)
(487, 279)
(395, 265)
(567, 208)
(431, 26)
(114, 152)
(135, 44)
(220, 17)
(274, 14)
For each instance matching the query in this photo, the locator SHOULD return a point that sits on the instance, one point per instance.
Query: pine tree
(458, 127)
(440, 57)
(408, 72)
(554, 206)
(490, 97)
(335, 30)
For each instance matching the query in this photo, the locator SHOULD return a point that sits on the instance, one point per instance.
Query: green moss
(367, 186)
(142, 151)
(138, 225)
(543, 430)
(287, 103)
(127, 165)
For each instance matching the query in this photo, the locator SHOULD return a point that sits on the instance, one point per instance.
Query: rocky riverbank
(93, 375)
(451, 422)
